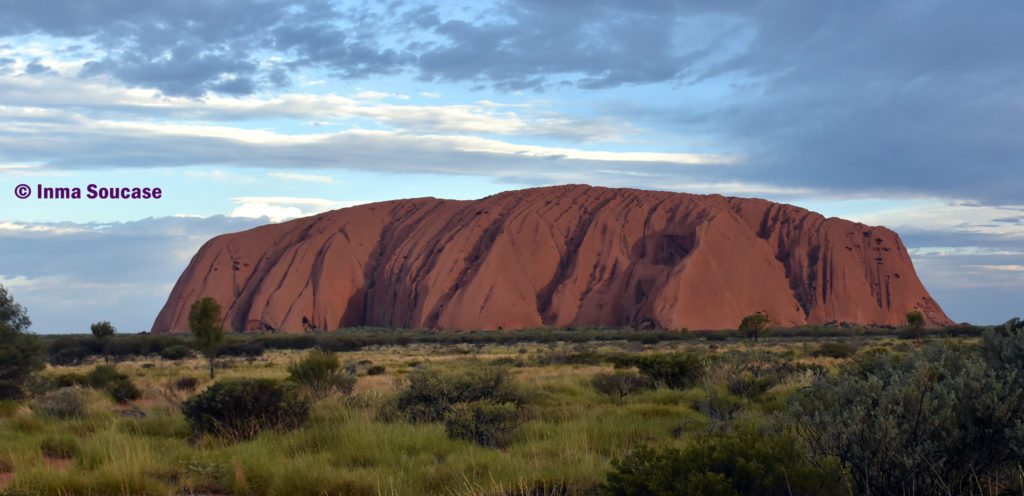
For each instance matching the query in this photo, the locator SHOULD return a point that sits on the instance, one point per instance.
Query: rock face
(556, 256)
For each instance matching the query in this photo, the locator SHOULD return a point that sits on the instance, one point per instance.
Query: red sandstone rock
(557, 256)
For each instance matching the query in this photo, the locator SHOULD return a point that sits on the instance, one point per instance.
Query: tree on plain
(20, 352)
(207, 332)
(915, 321)
(754, 325)
(103, 331)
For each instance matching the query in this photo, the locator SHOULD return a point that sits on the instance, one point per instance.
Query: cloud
(257, 210)
(281, 208)
(219, 175)
(952, 216)
(927, 104)
(309, 178)
(1000, 268)
(52, 96)
(72, 141)
(191, 47)
(69, 275)
(379, 95)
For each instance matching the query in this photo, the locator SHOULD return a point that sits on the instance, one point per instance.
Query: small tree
(20, 352)
(321, 374)
(207, 332)
(753, 325)
(915, 321)
(12, 314)
(102, 331)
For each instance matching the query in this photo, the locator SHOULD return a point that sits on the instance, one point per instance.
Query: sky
(904, 114)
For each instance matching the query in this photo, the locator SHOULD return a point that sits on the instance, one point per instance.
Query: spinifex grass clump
(120, 388)
(484, 422)
(321, 374)
(63, 403)
(123, 391)
(60, 447)
(240, 409)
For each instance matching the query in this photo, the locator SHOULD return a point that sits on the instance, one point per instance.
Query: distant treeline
(71, 349)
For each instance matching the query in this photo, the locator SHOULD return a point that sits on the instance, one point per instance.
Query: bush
(431, 393)
(240, 348)
(73, 355)
(320, 373)
(375, 370)
(186, 384)
(619, 384)
(935, 422)
(741, 461)
(103, 376)
(123, 391)
(177, 352)
(719, 407)
(836, 350)
(748, 385)
(62, 403)
(62, 447)
(20, 352)
(240, 409)
(679, 371)
(484, 422)
(753, 325)
(69, 379)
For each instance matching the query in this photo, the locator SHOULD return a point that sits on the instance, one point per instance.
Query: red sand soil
(556, 256)
(5, 480)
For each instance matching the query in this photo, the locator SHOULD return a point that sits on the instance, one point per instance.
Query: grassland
(566, 445)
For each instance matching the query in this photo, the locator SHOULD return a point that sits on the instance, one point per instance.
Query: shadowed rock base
(557, 256)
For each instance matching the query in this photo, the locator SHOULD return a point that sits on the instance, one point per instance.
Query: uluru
(560, 256)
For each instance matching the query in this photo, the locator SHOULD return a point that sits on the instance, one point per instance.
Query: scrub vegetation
(832, 411)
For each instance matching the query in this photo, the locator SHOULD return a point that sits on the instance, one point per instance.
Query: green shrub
(431, 393)
(678, 371)
(321, 375)
(484, 422)
(73, 355)
(836, 350)
(102, 376)
(718, 406)
(60, 447)
(619, 384)
(62, 403)
(749, 385)
(242, 408)
(123, 391)
(935, 422)
(753, 326)
(186, 384)
(741, 461)
(69, 379)
(177, 352)
(375, 370)
(20, 352)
